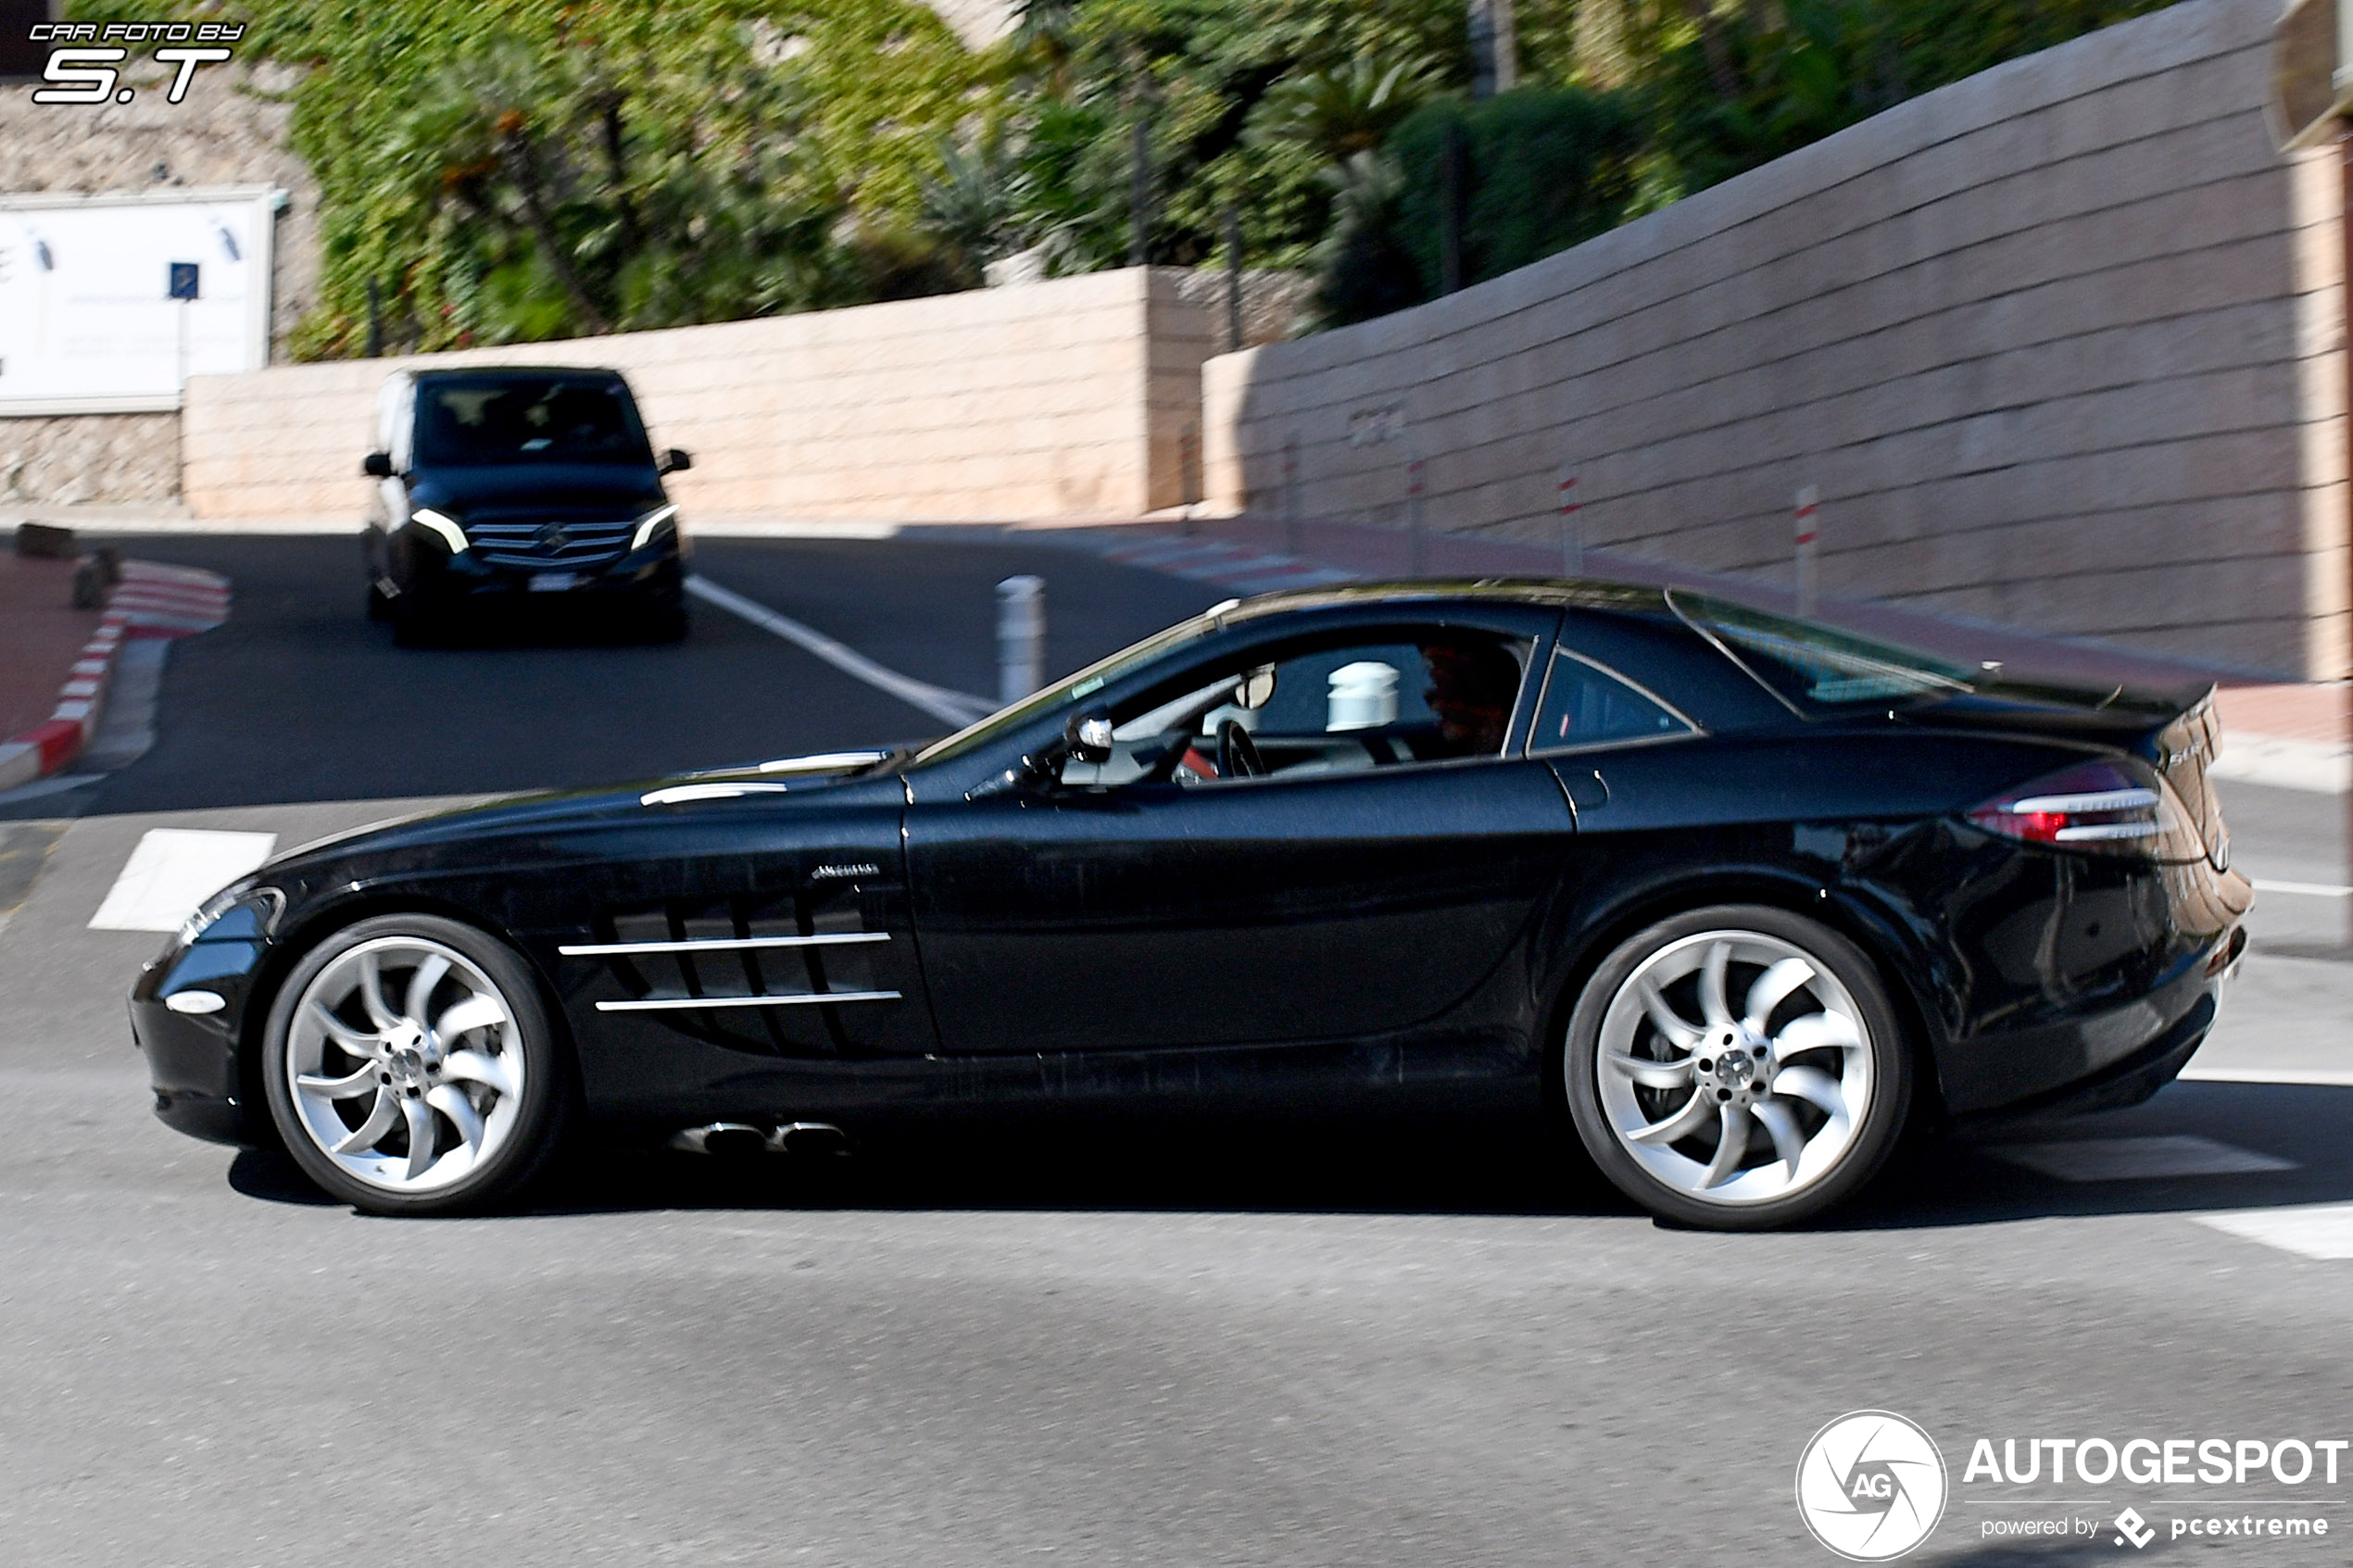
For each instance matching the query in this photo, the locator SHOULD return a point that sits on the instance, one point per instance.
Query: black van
(509, 487)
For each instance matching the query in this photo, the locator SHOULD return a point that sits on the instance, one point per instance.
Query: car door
(1328, 899)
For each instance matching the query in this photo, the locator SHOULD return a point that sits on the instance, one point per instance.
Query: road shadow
(1388, 1164)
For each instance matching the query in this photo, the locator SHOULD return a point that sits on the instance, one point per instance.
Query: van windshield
(480, 422)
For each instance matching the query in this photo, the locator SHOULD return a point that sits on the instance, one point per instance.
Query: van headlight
(654, 524)
(445, 527)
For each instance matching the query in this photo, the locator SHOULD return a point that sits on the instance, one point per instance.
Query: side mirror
(376, 465)
(1087, 737)
(674, 461)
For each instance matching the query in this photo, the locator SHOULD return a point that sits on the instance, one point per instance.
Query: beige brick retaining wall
(1068, 398)
(2061, 345)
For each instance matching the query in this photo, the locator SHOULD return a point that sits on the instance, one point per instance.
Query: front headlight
(445, 527)
(650, 526)
(265, 903)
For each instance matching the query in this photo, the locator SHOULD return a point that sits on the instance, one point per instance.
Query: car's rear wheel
(1738, 1068)
(411, 1068)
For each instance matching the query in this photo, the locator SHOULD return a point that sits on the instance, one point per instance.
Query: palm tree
(1337, 114)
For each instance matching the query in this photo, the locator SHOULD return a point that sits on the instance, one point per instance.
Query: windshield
(474, 422)
(1084, 684)
(1811, 666)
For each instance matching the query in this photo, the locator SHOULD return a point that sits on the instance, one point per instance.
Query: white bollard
(1021, 637)
(1364, 697)
(1807, 499)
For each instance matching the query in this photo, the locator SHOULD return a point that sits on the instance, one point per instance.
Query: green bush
(1542, 168)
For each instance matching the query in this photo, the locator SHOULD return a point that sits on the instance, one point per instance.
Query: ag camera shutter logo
(1871, 1485)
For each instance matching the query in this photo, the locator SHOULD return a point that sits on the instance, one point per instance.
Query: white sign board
(87, 323)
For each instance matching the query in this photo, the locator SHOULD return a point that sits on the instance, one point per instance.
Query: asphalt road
(1423, 1344)
(299, 699)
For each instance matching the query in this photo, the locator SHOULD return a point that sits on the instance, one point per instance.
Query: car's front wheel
(1737, 1068)
(411, 1068)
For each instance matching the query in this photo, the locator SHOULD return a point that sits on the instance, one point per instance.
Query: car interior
(1307, 709)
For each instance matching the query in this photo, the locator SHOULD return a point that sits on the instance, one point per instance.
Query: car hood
(439, 839)
(621, 489)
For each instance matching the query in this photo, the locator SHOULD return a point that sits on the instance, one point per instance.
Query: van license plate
(553, 582)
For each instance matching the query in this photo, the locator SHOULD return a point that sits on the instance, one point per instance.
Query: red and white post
(1572, 524)
(1419, 545)
(1809, 500)
(1291, 494)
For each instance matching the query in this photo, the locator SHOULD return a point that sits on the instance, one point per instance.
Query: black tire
(546, 1106)
(1888, 1073)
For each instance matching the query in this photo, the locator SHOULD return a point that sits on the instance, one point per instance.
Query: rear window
(528, 420)
(1813, 667)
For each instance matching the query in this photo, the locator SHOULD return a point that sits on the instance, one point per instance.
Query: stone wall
(1054, 399)
(80, 458)
(229, 130)
(2061, 346)
(978, 23)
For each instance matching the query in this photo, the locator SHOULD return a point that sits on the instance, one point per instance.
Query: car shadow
(1457, 1164)
(527, 626)
(1980, 1179)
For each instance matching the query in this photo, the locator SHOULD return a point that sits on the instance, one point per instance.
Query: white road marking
(949, 707)
(2322, 767)
(2304, 889)
(2322, 1231)
(172, 871)
(2132, 1160)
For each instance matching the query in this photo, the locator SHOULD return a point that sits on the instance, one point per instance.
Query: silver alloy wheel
(404, 1064)
(1689, 1085)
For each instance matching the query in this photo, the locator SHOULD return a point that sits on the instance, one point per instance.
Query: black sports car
(1743, 894)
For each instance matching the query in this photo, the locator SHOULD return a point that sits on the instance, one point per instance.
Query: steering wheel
(1237, 753)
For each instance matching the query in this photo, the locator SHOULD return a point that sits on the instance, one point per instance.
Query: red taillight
(2097, 807)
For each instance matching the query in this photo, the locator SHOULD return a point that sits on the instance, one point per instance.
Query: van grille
(543, 546)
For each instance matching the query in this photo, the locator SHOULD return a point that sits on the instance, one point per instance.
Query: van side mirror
(674, 461)
(376, 465)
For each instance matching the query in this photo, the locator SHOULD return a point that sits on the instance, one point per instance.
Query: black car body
(1038, 910)
(507, 487)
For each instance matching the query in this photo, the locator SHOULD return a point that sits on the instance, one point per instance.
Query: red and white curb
(150, 601)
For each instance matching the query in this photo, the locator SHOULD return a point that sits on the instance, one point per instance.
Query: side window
(1586, 704)
(1387, 700)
